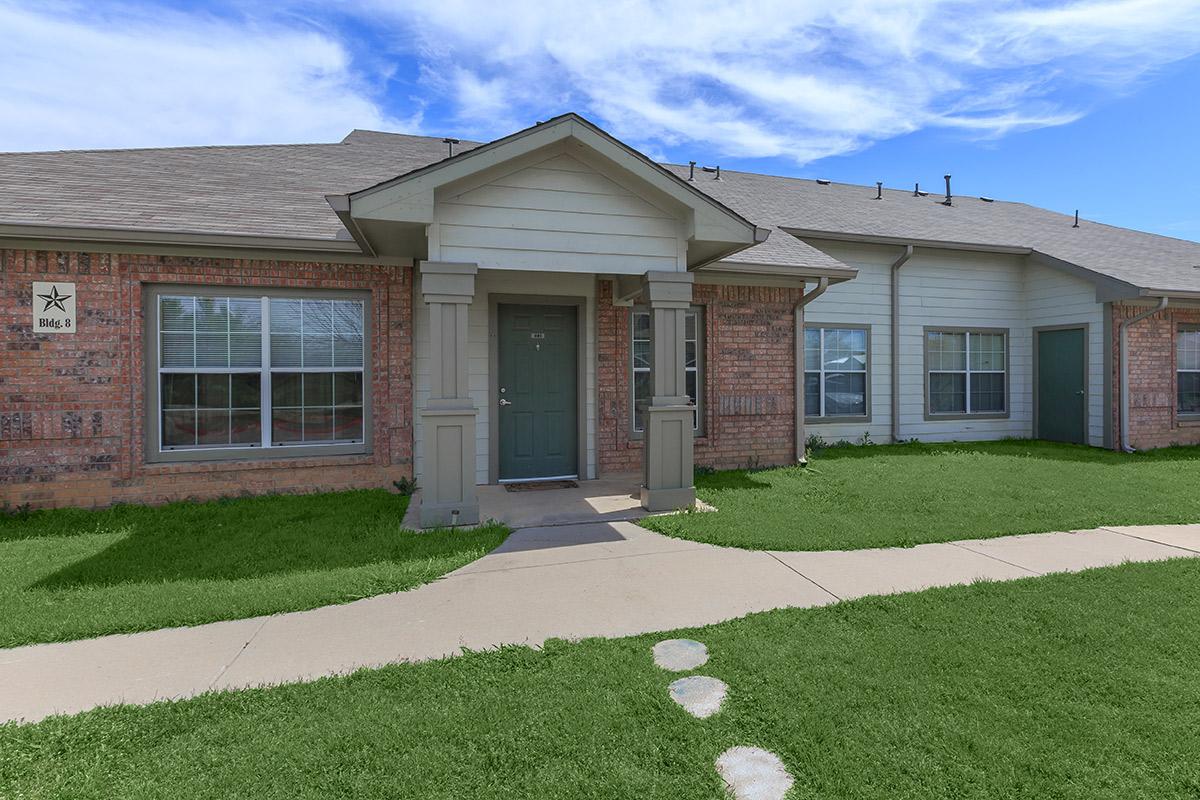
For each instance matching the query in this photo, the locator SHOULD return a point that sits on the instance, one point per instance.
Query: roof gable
(713, 230)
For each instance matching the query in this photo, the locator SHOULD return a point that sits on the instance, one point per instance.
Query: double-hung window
(835, 372)
(693, 368)
(1187, 366)
(967, 372)
(239, 373)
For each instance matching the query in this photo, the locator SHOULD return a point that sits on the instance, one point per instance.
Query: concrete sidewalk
(574, 581)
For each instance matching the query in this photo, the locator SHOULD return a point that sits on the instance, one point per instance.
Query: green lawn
(884, 496)
(1069, 686)
(71, 574)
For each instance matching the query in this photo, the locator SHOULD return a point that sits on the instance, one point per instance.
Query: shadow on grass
(1025, 448)
(257, 537)
(732, 479)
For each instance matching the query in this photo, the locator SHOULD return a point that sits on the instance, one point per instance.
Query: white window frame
(821, 416)
(264, 448)
(1193, 330)
(967, 372)
(698, 370)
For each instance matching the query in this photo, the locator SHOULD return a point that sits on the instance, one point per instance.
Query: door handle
(504, 402)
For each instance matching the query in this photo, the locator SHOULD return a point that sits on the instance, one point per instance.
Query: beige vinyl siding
(503, 283)
(1055, 298)
(956, 289)
(557, 215)
(864, 301)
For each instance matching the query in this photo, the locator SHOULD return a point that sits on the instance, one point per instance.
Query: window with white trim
(1188, 369)
(835, 372)
(259, 372)
(967, 372)
(693, 368)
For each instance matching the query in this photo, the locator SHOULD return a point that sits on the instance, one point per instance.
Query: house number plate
(53, 307)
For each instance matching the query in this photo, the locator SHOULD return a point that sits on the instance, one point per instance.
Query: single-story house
(204, 321)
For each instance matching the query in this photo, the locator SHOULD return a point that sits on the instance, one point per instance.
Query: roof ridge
(169, 148)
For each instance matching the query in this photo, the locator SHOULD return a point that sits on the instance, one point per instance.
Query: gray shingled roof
(1141, 259)
(256, 190)
(279, 191)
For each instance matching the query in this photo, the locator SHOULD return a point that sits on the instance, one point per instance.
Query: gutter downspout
(896, 265)
(798, 318)
(1124, 339)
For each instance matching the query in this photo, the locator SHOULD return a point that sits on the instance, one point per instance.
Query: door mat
(537, 486)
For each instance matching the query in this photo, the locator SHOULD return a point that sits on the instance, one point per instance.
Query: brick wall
(1153, 392)
(72, 405)
(749, 379)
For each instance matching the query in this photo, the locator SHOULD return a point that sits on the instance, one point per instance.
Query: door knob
(504, 402)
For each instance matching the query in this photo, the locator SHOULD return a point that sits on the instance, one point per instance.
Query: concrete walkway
(598, 579)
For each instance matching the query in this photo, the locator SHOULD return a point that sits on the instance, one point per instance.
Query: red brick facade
(1153, 394)
(72, 405)
(749, 384)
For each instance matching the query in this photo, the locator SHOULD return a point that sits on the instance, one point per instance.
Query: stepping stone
(700, 696)
(754, 774)
(680, 655)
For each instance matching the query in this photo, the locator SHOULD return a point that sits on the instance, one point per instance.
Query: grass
(1068, 686)
(71, 574)
(900, 495)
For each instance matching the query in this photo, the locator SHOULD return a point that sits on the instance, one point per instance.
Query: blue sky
(1088, 104)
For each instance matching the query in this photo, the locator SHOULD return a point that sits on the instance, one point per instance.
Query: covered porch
(514, 243)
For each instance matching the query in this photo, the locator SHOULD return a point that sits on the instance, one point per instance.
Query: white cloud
(71, 77)
(799, 79)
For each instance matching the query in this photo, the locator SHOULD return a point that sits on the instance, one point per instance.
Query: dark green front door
(1062, 385)
(538, 391)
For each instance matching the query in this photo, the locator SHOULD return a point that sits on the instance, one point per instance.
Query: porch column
(448, 418)
(667, 458)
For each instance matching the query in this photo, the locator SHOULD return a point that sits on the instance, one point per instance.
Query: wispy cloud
(801, 80)
(797, 79)
(73, 76)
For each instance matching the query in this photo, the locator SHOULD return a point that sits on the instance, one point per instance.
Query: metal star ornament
(54, 300)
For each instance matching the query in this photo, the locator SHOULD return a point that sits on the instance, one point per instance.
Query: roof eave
(340, 203)
(141, 236)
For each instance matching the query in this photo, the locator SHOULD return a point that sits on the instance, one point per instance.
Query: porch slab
(613, 498)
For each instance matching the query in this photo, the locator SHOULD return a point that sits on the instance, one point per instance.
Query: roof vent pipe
(691, 170)
(916, 190)
(878, 190)
(947, 201)
(1076, 225)
(450, 145)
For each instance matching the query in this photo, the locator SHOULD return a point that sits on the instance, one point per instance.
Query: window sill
(952, 417)
(229, 462)
(1189, 421)
(837, 420)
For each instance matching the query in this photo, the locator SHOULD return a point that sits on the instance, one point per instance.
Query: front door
(537, 391)
(1062, 385)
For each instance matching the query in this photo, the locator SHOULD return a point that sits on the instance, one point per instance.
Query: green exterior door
(537, 391)
(1062, 385)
